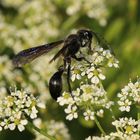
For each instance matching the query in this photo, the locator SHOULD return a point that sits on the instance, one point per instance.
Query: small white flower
(125, 105)
(37, 122)
(76, 73)
(101, 76)
(89, 115)
(71, 111)
(65, 99)
(95, 80)
(100, 113)
(12, 126)
(21, 125)
(8, 112)
(33, 113)
(75, 76)
(9, 101)
(41, 105)
(90, 75)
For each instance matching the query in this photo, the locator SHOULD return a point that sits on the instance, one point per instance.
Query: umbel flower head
(129, 95)
(91, 96)
(127, 129)
(127, 126)
(114, 136)
(15, 107)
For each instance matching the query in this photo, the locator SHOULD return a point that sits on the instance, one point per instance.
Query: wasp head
(85, 37)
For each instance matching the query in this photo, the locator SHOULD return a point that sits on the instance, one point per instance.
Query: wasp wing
(103, 42)
(30, 54)
(58, 54)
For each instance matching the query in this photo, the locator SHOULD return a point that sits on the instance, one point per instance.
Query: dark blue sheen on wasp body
(71, 45)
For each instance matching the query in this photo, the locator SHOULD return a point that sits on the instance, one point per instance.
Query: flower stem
(30, 126)
(138, 117)
(99, 126)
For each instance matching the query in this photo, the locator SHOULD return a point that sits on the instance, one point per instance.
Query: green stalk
(99, 126)
(138, 117)
(30, 126)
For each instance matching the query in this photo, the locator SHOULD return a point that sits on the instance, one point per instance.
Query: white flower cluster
(129, 95)
(91, 72)
(54, 128)
(90, 98)
(127, 129)
(93, 8)
(100, 58)
(114, 136)
(15, 107)
(30, 14)
(103, 56)
(127, 126)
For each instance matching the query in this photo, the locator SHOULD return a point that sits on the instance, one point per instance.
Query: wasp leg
(89, 46)
(80, 58)
(68, 61)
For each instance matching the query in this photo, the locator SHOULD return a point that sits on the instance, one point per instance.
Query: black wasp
(71, 45)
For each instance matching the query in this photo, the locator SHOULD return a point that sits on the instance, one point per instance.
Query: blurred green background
(28, 23)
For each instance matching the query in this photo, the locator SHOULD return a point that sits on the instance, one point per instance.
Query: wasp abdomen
(55, 85)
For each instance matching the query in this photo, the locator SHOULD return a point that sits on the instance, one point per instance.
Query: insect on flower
(71, 45)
